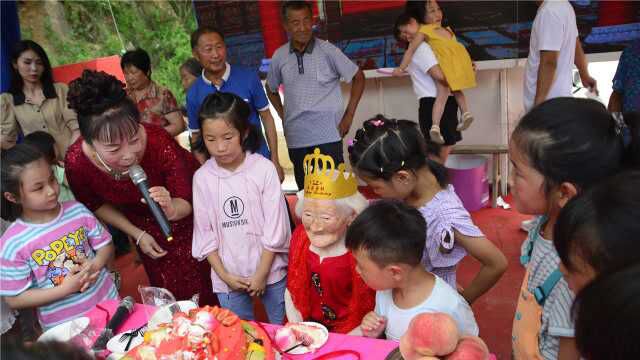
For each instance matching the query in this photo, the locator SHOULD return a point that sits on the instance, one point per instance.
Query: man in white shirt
(553, 50)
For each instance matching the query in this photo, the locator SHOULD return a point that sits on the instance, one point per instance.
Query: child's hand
(373, 325)
(236, 283)
(93, 271)
(398, 72)
(75, 280)
(161, 195)
(257, 284)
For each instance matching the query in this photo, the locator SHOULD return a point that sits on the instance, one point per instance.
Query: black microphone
(124, 309)
(139, 178)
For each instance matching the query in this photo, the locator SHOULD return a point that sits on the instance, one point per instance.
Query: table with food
(182, 330)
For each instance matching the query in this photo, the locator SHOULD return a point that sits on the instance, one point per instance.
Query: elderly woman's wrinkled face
(324, 222)
(136, 79)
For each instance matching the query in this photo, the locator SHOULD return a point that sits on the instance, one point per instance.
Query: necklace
(115, 174)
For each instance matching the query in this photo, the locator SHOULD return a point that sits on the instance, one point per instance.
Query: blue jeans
(241, 303)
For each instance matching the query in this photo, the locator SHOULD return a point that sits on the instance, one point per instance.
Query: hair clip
(381, 171)
(402, 163)
(377, 123)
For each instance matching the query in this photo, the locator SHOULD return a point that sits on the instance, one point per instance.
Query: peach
(470, 348)
(429, 334)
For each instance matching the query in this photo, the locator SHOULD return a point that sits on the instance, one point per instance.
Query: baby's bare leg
(467, 118)
(461, 100)
(442, 95)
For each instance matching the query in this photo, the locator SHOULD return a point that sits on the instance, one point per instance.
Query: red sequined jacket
(299, 285)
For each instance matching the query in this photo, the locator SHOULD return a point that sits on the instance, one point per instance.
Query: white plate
(163, 314)
(117, 347)
(65, 331)
(303, 349)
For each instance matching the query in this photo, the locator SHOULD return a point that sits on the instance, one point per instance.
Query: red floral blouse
(154, 104)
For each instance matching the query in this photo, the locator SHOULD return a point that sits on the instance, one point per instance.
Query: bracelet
(140, 237)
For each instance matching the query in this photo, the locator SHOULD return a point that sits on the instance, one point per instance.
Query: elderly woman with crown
(323, 285)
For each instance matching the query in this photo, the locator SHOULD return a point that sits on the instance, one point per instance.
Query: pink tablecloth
(98, 316)
(367, 348)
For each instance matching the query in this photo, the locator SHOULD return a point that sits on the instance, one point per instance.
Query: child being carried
(453, 58)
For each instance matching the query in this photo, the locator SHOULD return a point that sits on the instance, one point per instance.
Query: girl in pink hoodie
(241, 224)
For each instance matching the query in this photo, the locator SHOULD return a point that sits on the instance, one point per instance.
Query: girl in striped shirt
(561, 149)
(53, 256)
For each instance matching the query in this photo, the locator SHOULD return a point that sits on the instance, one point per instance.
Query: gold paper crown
(320, 181)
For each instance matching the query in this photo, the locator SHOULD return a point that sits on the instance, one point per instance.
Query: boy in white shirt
(387, 241)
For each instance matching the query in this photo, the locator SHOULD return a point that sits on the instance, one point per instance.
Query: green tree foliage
(161, 27)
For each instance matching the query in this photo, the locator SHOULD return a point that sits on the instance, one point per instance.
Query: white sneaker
(527, 225)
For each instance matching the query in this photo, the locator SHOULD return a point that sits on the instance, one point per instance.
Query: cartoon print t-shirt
(66, 252)
(42, 255)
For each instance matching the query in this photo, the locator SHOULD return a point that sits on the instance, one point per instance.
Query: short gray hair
(294, 5)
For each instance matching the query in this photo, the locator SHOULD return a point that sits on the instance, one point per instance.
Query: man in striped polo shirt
(310, 70)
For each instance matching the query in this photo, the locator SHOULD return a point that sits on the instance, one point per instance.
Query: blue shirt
(627, 78)
(240, 81)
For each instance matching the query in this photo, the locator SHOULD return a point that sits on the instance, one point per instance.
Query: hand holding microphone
(161, 195)
(157, 198)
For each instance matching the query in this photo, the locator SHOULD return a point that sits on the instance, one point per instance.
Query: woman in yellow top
(34, 102)
(453, 58)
